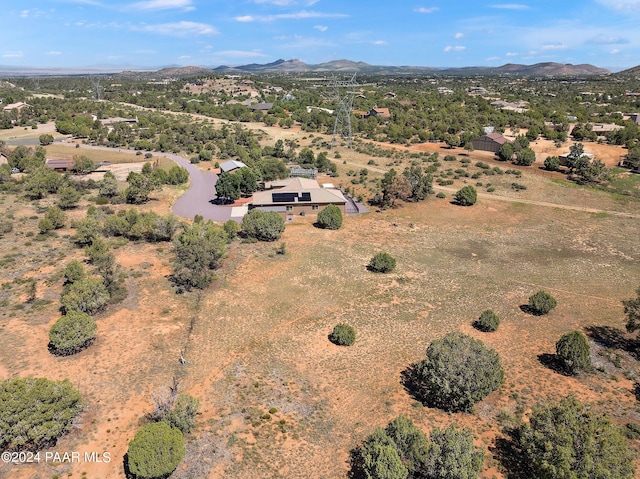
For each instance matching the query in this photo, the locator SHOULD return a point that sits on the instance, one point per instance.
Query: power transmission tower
(344, 92)
(95, 82)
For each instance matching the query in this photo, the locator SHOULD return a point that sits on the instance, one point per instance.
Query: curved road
(197, 200)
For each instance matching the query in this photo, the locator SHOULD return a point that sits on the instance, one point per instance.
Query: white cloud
(493, 59)
(510, 6)
(53, 52)
(379, 42)
(240, 54)
(24, 13)
(622, 5)
(426, 9)
(511, 54)
(184, 57)
(459, 35)
(554, 46)
(303, 14)
(178, 29)
(456, 48)
(161, 5)
(17, 54)
(322, 28)
(602, 39)
(285, 3)
(615, 51)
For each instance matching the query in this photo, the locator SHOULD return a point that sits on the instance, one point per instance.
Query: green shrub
(441, 195)
(330, 218)
(88, 295)
(343, 335)
(458, 372)
(183, 413)
(552, 163)
(155, 451)
(571, 440)
(72, 333)
(541, 303)
(263, 225)
(466, 196)
(572, 350)
(34, 412)
(487, 322)
(232, 228)
(382, 263)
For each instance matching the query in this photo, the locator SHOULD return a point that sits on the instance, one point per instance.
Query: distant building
(381, 112)
(58, 164)
(15, 106)
(297, 197)
(490, 142)
(231, 165)
(261, 106)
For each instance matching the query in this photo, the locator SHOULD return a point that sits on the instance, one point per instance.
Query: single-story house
(15, 106)
(381, 112)
(297, 197)
(231, 165)
(58, 164)
(261, 106)
(490, 142)
(564, 158)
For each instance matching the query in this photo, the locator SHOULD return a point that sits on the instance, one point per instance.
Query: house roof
(380, 111)
(231, 165)
(300, 191)
(58, 163)
(261, 106)
(497, 137)
(295, 183)
(14, 106)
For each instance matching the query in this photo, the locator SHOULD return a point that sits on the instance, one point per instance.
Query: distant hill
(629, 73)
(549, 69)
(539, 69)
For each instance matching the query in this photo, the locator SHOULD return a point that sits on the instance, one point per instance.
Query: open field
(259, 335)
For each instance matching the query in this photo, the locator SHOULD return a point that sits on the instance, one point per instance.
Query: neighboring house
(59, 164)
(381, 112)
(635, 117)
(518, 107)
(261, 106)
(297, 171)
(491, 142)
(601, 128)
(15, 106)
(3, 159)
(231, 165)
(297, 197)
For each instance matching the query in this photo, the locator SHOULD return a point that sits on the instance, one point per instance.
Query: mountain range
(549, 69)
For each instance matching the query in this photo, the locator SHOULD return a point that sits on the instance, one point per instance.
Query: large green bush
(568, 439)
(466, 196)
(458, 372)
(199, 249)
(382, 263)
(155, 451)
(72, 333)
(487, 322)
(263, 225)
(572, 350)
(403, 451)
(330, 218)
(343, 335)
(34, 412)
(88, 295)
(541, 303)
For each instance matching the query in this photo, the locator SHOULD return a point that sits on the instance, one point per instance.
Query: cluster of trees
(233, 185)
(35, 412)
(403, 451)
(149, 179)
(158, 447)
(414, 184)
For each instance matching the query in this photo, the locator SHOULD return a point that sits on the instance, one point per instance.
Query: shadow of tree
(507, 451)
(636, 391)
(552, 362)
(410, 380)
(525, 308)
(613, 338)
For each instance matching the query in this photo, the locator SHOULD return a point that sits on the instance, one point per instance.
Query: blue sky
(154, 33)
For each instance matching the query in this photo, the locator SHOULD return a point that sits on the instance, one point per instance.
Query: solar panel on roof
(304, 197)
(284, 197)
